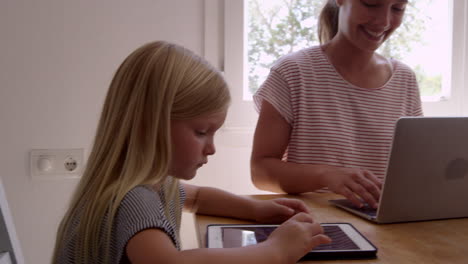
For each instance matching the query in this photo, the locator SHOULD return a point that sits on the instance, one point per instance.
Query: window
(432, 40)
(278, 27)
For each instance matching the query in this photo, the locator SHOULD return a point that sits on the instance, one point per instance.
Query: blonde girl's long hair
(328, 21)
(158, 82)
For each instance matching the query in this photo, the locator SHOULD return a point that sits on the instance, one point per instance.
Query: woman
(333, 107)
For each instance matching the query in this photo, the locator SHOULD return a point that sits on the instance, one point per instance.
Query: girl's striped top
(143, 207)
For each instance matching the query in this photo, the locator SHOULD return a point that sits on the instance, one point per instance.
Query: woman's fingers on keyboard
(351, 196)
(365, 189)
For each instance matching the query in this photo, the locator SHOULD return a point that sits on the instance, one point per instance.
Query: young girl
(159, 119)
(334, 106)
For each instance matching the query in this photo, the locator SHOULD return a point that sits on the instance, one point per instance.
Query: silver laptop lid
(427, 174)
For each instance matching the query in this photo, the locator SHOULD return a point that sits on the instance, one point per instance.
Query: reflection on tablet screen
(244, 236)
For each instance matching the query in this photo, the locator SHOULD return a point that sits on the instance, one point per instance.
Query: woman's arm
(270, 173)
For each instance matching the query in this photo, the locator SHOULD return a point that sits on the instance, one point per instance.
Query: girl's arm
(212, 201)
(287, 244)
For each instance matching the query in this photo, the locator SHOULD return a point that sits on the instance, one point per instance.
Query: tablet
(347, 241)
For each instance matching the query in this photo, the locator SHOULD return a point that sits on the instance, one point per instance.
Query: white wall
(56, 60)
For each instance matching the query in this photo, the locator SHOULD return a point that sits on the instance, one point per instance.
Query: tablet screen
(244, 236)
(347, 241)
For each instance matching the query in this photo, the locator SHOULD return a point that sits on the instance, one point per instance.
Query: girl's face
(368, 23)
(192, 143)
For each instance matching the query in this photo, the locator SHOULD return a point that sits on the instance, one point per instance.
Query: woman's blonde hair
(328, 21)
(155, 84)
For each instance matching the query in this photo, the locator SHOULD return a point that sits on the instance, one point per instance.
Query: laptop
(427, 173)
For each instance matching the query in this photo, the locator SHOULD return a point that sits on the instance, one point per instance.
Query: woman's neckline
(391, 62)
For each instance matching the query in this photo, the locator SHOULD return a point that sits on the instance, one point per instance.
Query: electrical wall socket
(55, 163)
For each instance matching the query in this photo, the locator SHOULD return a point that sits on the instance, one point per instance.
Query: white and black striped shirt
(141, 208)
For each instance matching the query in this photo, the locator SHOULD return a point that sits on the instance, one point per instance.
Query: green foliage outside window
(290, 25)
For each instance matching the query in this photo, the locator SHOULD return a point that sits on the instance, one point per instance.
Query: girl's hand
(297, 236)
(278, 210)
(357, 185)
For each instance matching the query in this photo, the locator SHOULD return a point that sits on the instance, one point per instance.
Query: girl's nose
(210, 148)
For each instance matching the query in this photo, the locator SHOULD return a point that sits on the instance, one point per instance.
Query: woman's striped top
(334, 122)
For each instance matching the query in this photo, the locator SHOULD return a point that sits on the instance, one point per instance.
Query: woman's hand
(357, 185)
(297, 236)
(278, 210)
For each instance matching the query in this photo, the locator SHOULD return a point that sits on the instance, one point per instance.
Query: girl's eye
(200, 132)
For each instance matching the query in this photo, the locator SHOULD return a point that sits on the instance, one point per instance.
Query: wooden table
(441, 241)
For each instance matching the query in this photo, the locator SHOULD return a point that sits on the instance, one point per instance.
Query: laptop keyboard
(366, 209)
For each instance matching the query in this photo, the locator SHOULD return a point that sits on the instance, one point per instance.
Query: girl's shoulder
(142, 190)
(140, 203)
(149, 194)
(139, 197)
